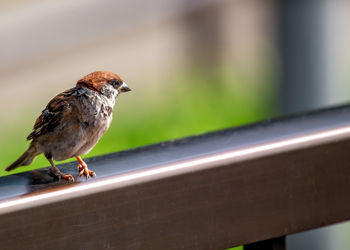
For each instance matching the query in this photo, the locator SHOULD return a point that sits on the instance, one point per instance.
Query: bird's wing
(52, 115)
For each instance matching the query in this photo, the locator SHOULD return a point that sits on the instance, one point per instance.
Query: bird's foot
(67, 177)
(83, 170)
(60, 175)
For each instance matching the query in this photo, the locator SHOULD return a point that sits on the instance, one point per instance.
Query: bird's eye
(115, 83)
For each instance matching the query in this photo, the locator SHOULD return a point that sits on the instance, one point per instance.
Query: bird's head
(104, 82)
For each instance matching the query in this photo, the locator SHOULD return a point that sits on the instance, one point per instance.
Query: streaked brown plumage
(73, 122)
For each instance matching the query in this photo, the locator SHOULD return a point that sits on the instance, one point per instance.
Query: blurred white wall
(47, 45)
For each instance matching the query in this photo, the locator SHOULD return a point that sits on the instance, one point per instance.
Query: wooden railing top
(212, 191)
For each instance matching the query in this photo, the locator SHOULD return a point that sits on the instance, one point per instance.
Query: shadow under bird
(73, 122)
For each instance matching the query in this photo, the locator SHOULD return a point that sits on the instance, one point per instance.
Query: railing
(249, 186)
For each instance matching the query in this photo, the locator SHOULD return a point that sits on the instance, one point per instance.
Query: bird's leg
(83, 169)
(58, 173)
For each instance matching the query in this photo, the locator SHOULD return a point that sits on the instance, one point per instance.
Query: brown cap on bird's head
(96, 80)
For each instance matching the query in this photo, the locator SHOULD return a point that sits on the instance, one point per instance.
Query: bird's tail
(25, 159)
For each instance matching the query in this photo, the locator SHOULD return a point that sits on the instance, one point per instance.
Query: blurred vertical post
(302, 55)
(313, 37)
(310, 51)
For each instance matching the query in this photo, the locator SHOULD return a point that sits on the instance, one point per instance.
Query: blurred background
(194, 67)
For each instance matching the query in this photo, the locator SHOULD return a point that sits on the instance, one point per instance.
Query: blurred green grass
(236, 248)
(197, 105)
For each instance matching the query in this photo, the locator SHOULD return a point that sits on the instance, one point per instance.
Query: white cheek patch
(109, 94)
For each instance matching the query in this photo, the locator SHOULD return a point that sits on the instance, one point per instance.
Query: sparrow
(73, 122)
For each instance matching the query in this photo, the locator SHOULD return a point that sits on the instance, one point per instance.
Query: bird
(73, 122)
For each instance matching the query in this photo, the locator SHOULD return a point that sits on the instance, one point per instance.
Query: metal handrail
(213, 191)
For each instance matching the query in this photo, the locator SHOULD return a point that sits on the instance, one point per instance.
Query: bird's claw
(60, 175)
(83, 170)
(67, 177)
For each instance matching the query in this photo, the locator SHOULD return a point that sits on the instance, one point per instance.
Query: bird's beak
(124, 87)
